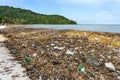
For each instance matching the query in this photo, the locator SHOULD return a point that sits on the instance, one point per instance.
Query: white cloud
(92, 2)
(85, 1)
(102, 17)
(98, 11)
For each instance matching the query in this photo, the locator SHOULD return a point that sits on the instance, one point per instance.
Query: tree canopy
(13, 15)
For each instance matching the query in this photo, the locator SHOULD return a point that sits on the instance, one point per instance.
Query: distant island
(11, 15)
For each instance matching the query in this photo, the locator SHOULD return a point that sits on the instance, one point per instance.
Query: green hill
(13, 15)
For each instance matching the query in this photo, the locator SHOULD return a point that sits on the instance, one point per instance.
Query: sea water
(84, 27)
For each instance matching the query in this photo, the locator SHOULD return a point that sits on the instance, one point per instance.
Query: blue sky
(82, 11)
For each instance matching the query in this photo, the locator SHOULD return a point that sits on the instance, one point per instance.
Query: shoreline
(117, 31)
(83, 27)
(49, 51)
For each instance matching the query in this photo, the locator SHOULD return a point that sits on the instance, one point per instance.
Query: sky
(81, 11)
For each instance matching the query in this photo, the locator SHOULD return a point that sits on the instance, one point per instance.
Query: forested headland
(11, 15)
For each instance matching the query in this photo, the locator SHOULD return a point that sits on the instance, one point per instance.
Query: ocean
(84, 27)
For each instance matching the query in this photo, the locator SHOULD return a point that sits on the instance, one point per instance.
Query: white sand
(1, 27)
(9, 69)
(2, 38)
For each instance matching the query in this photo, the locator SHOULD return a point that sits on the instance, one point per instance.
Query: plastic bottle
(82, 69)
(28, 59)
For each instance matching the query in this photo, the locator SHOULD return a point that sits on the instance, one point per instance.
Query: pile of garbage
(65, 54)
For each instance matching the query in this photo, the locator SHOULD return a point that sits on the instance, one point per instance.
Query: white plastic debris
(40, 78)
(24, 45)
(52, 44)
(69, 52)
(33, 45)
(103, 57)
(56, 47)
(35, 54)
(56, 54)
(59, 48)
(83, 70)
(110, 66)
(93, 50)
(118, 77)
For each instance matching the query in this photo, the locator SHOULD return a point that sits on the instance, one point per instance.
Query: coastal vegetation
(11, 15)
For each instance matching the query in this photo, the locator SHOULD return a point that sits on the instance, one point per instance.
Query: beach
(58, 54)
(9, 68)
